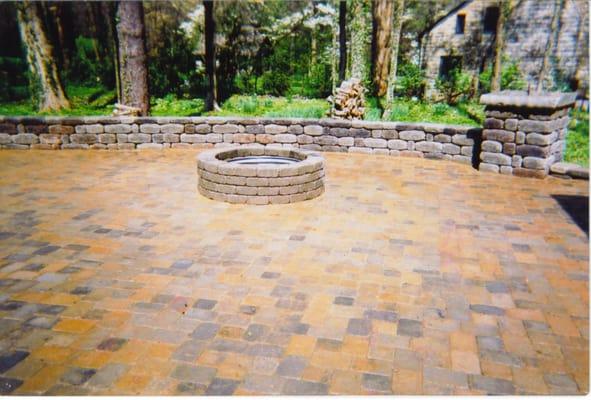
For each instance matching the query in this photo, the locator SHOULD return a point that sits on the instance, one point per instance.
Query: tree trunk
(549, 45)
(381, 45)
(108, 12)
(398, 13)
(333, 58)
(313, 44)
(495, 84)
(132, 56)
(342, 40)
(211, 98)
(45, 82)
(360, 39)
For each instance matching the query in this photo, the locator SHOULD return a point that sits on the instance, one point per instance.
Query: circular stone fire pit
(260, 175)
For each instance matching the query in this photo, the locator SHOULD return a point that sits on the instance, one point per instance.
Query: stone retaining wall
(456, 143)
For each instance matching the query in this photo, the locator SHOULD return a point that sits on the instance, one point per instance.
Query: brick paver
(406, 276)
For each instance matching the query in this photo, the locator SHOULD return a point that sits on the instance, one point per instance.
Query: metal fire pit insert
(259, 160)
(260, 175)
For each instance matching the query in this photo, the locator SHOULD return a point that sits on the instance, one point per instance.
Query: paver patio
(405, 276)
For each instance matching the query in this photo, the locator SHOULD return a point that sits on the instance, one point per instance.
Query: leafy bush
(454, 86)
(410, 81)
(373, 112)
(170, 105)
(13, 78)
(85, 68)
(316, 84)
(269, 106)
(511, 77)
(275, 83)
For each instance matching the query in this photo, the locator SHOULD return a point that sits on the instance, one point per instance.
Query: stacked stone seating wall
(436, 141)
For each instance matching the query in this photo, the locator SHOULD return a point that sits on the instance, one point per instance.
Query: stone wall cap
(517, 98)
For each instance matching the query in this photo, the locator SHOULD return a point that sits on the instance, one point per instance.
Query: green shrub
(410, 80)
(455, 86)
(170, 105)
(511, 77)
(85, 68)
(275, 83)
(13, 78)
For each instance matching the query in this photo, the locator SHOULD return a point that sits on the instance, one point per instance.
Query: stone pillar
(524, 134)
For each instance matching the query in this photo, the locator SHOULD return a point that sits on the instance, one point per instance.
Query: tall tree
(342, 40)
(44, 80)
(211, 98)
(504, 9)
(398, 13)
(381, 46)
(360, 40)
(133, 69)
(550, 44)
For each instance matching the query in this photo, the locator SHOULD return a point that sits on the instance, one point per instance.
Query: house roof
(450, 12)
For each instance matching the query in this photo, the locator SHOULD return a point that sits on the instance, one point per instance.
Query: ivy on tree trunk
(381, 47)
(398, 13)
(133, 69)
(44, 80)
(360, 40)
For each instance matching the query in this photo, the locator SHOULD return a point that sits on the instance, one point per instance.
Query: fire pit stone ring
(260, 175)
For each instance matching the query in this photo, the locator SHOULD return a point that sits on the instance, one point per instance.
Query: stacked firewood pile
(348, 101)
(123, 110)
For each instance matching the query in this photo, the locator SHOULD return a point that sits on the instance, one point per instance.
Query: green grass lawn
(409, 110)
(577, 140)
(273, 107)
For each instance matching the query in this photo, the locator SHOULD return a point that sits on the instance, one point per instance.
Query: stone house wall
(527, 33)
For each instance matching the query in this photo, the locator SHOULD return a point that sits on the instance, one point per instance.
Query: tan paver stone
(371, 365)
(406, 382)
(355, 345)
(91, 359)
(495, 370)
(465, 361)
(530, 380)
(42, 380)
(562, 325)
(343, 382)
(131, 384)
(301, 345)
(74, 325)
(463, 341)
(53, 354)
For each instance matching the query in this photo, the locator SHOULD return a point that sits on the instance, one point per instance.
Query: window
(460, 24)
(448, 64)
(491, 16)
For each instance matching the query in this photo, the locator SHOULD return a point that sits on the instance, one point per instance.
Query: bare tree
(544, 70)
(45, 82)
(504, 9)
(133, 68)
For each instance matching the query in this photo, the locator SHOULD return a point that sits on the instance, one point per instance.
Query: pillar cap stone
(518, 98)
